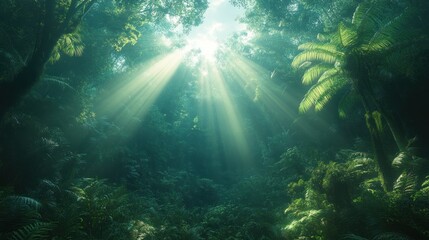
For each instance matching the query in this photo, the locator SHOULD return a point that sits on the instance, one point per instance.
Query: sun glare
(208, 47)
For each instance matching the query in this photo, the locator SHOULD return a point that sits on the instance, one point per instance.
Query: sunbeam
(222, 118)
(208, 47)
(276, 103)
(129, 102)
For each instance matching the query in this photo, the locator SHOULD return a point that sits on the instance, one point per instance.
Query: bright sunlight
(206, 46)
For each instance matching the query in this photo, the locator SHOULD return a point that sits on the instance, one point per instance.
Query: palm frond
(320, 91)
(368, 17)
(327, 96)
(314, 73)
(324, 99)
(329, 73)
(348, 36)
(314, 55)
(401, 58)
(329, 47)
(394, 31)
(361, 12)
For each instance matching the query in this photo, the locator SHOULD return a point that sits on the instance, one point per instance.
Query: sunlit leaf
(313, 73)
(314, 55)
(347, 35)
(320, 93)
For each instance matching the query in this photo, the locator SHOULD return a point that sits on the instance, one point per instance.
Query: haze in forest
(214, 119)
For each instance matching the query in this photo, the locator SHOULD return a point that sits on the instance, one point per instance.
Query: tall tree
(56, 28)
(351, 57)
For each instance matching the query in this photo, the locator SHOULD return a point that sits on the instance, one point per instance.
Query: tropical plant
(20, 218)
(57, 24)
(346, 199)
(348, 61)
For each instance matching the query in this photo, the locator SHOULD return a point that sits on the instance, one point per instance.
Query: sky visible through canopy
(221, 20)
(220, 79)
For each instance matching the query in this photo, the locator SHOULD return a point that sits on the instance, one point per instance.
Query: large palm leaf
(371, 33)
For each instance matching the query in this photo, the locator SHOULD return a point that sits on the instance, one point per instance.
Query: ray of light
(277, 104)
(255, 80)
(132, 98)
(223, 120)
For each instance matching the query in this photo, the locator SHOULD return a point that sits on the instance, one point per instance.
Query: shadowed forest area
(122, 119)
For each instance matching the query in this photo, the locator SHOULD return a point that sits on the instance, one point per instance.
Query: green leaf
(34, 231)
(314, 55)
(313, 73)
(393, 32)
(348, 36)
(320, 93)
(329, 47)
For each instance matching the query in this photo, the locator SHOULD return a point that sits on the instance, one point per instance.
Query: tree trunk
(385, 169)
(397, 130)
(12, 91)
(383, 161)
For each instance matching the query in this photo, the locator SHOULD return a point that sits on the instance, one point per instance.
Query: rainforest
(214, 119)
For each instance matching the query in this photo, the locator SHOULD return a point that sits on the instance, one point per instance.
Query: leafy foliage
(340, 60)
(344, 198)
(36, 231)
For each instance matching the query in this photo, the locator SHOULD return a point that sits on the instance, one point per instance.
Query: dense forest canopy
(162, 119)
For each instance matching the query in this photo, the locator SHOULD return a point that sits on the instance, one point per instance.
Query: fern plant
(34, 231)
(20, 218)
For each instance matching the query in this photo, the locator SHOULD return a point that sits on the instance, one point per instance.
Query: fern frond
(405, 184)
(24, 201)
(314, 73)
(314, 55)
(34, 231)
(399, 160)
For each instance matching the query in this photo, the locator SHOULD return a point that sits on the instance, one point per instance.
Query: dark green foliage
(36, 231)
(72, 170)
(343, 198)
